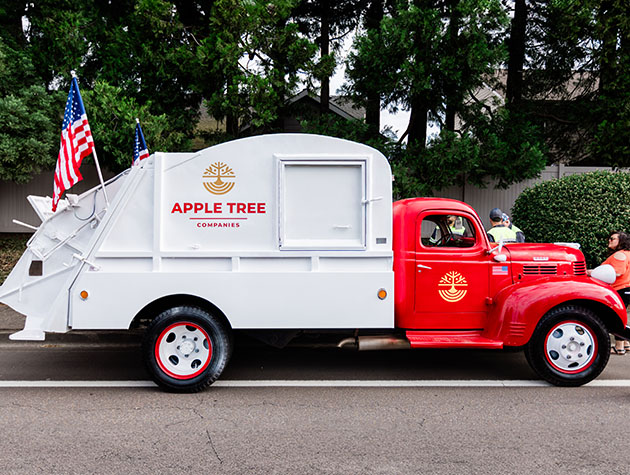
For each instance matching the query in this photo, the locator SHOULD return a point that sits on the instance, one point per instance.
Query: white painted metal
(321, 204)
(570, 346)
(183, 350)
(278, 231)
(71, 231)
(14, 203)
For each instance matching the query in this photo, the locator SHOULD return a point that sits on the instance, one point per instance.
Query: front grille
(579, 268)
(540, 270)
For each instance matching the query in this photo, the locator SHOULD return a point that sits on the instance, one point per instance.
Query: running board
(450, 339)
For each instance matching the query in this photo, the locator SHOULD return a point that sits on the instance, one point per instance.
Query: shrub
(12, 246)
(579, 208)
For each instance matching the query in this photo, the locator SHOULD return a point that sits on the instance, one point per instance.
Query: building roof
(339, 105)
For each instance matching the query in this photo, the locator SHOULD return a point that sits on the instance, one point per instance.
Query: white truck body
(284, 231)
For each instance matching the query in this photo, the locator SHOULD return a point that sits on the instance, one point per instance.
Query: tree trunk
(373, 98)
(231, 126)
(11, 23)
(516, 51)
(418, 123)
(324, 101)
(420, 103)
(450, 90)
(608, 58)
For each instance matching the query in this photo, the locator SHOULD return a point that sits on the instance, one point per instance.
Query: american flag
(500, 270)
(76, 144)
(140, 151)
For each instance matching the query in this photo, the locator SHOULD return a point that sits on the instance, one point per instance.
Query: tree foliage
(27, 112)
(426, 57)
(554, 211)
(429, 58)
(259, 53)
(113, 120)
(567, 82)
(327, 23)
(574, 78)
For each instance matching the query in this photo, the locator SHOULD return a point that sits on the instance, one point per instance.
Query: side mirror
(500, 245)
(500, 257)
(498, 249)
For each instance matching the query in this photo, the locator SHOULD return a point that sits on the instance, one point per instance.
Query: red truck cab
(454, 288)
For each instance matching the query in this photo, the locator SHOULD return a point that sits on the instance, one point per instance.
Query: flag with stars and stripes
(140, 151)
(76, 144)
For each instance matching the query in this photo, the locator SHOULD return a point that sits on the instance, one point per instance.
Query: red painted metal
(504, 300)
(520, 306)
(451, 339)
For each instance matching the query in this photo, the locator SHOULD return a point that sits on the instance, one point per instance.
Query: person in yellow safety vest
(498, 231)
(456, 225)
(520, 235)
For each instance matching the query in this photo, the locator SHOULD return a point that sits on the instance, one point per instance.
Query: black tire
(186, 349)
(569, 347)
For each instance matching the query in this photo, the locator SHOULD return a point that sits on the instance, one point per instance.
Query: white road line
(515, 383)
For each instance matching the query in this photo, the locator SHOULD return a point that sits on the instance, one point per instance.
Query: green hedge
(12, 246)
(578, 208)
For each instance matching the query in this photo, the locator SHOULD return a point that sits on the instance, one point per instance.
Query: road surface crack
(212, 445)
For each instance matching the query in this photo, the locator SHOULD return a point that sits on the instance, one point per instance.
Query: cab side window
(441, 230)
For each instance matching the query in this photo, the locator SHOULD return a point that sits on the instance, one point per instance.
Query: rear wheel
(186, 349)
(569, 347)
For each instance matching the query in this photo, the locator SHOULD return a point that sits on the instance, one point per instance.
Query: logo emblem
(221, 176)
(453, 287)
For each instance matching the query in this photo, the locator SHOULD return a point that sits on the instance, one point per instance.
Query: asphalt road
(306, 430)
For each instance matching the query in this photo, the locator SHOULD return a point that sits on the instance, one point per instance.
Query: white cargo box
(279, 231)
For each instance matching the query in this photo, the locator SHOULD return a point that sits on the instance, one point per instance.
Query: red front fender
(518, 308)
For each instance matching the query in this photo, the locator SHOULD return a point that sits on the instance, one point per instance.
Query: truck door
(452, 270)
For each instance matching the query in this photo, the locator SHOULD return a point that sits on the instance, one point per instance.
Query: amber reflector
(84, 294)
(382, 294)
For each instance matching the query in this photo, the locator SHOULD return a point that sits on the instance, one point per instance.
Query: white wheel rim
(570, 347)
(183, 350)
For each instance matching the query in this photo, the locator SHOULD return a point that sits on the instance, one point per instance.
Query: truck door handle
(420, 266)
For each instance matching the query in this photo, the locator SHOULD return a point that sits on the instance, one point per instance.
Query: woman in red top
(619, 259)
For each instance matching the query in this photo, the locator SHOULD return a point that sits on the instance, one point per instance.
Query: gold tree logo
(454, 286)
(222, 176)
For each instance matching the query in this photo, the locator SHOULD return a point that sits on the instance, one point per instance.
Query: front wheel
(186, 349)
(569, 347)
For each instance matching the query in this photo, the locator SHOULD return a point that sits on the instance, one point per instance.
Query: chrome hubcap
(570, 346)
(183, 350)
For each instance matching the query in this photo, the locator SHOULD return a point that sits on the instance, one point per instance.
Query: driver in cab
(453, 227)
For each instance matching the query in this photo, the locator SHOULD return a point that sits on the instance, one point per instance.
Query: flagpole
(100, 176)
(98, 166)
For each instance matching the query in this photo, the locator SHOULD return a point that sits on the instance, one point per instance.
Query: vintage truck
(295, 232)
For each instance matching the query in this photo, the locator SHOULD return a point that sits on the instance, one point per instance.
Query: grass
(12, 247)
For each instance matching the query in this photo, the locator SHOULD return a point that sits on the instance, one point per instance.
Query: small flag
(76, 144)
(499, 270)
(140, 151)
